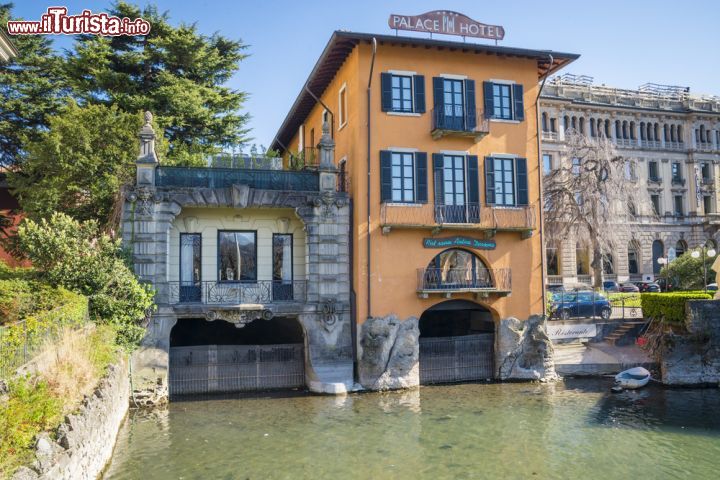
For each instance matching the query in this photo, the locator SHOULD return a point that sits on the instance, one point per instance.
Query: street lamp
(706, 252)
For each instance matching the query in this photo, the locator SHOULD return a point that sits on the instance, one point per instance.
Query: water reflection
(572, 430)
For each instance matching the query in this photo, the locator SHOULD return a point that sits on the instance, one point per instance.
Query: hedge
(669, 307)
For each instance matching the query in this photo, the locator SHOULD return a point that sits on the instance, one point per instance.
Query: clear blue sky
(622, 43)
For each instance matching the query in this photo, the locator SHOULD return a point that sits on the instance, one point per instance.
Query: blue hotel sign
(459, 241)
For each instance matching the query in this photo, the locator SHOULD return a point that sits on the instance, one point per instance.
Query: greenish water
(573, 430)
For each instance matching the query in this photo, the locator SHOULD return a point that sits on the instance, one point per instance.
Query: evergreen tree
(31, 86)
(175, 72)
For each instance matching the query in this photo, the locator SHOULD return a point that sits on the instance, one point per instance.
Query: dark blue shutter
(473, 189)
(386, 91)
(438, 182)
(421, 181)
(438, 102)
(385, 175)
(470, 121)
(489, 181)
(488, 99)
(519, 108)
(522, 181)
(419, 84)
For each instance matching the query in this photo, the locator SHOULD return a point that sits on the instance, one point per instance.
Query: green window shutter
(488, 104)
(421, 181)
(518, 107)
(419, 84)
(470, 118)
(386, 91)
(489, 180)
(473, 189)
(521, 178)
(385, 176)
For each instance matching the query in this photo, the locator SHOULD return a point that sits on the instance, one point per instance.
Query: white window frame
(400, 73)
(342, 109)
(412, 152)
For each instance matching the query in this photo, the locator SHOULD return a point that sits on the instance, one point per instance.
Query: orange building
(438, 142)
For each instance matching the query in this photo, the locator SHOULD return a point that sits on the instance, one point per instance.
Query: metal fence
(206, 369)
(303, 181)
(456, 359)
(430, 214)
(234, 293)
(591, 304)
(21, 341)
(442, 279)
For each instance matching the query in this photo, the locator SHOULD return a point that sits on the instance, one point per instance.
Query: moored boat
(632, 378)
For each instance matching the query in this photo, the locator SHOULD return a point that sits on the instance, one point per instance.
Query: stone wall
(85, 440)
(389, 353)
(694, 358)
(523, 350)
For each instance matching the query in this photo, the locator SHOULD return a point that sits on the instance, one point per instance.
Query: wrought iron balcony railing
(654, 179)
(678, 181)
(431, 280)
(466, 123)
(191, 177)
(236, 293)
(471, 216)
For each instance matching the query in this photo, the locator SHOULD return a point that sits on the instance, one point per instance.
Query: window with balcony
(653, 171)
(708, 204)
(454, 105)
(503, 101)
(506, 181)
(190, 267)
(282, 258)
(706, 173)
(678, 202)
(237, 256)
(677, 177)
(655, 199)
(633, 258)
(402, 92)
(403, 177)
(457, 269)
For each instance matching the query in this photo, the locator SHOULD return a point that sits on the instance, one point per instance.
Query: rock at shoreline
(524, 350)
(390, 353)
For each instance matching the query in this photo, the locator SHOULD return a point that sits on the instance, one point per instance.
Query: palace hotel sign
(447, 23)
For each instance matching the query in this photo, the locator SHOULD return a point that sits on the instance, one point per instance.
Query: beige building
(671, 140)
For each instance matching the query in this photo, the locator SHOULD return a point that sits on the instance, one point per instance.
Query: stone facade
(694, 358)
(149, 215)
(671, 141)
(84, 442)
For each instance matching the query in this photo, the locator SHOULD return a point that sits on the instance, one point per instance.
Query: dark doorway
(217, 357)
(456, 343)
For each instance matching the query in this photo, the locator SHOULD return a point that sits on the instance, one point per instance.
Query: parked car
(611, 286)
(629, 288)
(712, 287)
(665, 285)
(648, 287)
(582, 304)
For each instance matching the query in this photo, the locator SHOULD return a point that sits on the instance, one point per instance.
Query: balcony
(651, 144)
(463, 280)
(707, 181)
(704, 146)
(192, 177)
(675, 145)
(550, 136)
(471, 124)
(261, 292)
(458, 217)
(626, 142)
(654, 179)
(678, 181)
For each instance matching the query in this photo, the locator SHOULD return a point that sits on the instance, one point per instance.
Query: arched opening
(544, 122)
(582, 259)
(634, 260)
(658, 252)
(632, 130)
(457, 268)
(208, 357)
(456, 342)
(680, 248)
(673, 137)
(643, 135)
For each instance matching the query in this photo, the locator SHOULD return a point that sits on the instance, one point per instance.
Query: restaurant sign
(557, 332)
(447, 23)
(459, 241)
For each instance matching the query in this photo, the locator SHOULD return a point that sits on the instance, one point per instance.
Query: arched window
(666, 134)
(632, 130)
(633, 258)
(544, 122)
(581, 125)
(680, 248)
(702, 133)
(456, 268)
(607, 128)
(566, 123)
(574, 122)
(658, 252)
(680, 134)
(618, 129)
(608, 264)
(649, 131)
(625, 133)
(582, 259)
(553, 259)
(643, 135)
(592, 127)
(656, 132)
(673, 134)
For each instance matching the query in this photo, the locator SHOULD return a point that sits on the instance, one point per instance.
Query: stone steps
(619, 332)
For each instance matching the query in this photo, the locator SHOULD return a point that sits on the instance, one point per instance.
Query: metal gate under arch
(456, 359)
(207, 369)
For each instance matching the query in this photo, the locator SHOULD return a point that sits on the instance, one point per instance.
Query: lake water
(574, 430)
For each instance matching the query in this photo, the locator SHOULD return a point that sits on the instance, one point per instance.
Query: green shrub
(79, 257)
(669, 307)
(30, 408)
(620, 299)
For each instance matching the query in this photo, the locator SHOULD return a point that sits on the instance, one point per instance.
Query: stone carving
(326, 203)
(390, 353)
(145, 201)
(524, 350)
(239, 318)
(328, 314)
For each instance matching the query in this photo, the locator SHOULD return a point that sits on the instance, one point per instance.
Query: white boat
(632, 378)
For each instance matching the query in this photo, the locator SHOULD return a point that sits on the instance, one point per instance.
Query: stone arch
(457, 266)
(658, 252)
(681, 247)
(634, 257)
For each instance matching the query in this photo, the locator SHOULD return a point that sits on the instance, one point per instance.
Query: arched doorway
(456, 343)
(217, 357)
(658, 252)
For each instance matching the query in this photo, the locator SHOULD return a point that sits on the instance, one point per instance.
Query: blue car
(567, 305)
